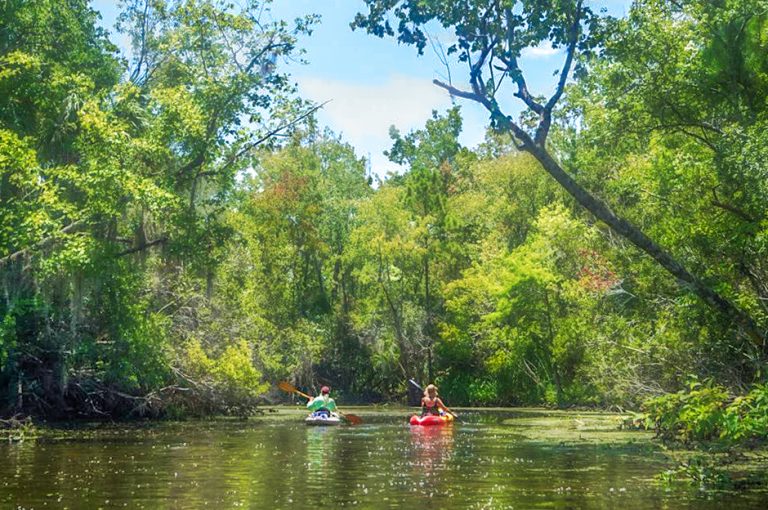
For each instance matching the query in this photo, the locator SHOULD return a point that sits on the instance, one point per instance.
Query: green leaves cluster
(707, 412)
(657, 137)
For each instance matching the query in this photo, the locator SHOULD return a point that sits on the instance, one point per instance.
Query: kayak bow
(322, 419)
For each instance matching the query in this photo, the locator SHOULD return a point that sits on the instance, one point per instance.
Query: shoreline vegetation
(178, 231)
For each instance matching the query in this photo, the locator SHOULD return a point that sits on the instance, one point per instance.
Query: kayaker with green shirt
(323, 403)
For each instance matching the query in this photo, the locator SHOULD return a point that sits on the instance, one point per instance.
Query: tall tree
(433, 157)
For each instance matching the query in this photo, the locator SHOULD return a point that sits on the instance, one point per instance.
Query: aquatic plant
(17, 429)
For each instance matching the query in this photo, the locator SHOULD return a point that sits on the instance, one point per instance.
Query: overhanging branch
(142, 247)
(458, 92)
(513, 70)
(503, 121)
(232, 159)
(72, 227)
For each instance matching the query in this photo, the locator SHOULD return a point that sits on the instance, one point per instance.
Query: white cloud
(363, 108)
(543, 50)
(363, 113)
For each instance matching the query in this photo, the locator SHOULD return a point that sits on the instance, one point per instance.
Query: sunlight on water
(490, 459)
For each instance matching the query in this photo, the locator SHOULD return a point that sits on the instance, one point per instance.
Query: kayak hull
(431, 420)
(323, 421)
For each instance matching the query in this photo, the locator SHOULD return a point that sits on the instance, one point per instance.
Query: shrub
(706, 412)
(746, 419)
(695, 413)
(228, 383)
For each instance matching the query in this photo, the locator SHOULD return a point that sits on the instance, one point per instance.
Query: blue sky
(374, 83)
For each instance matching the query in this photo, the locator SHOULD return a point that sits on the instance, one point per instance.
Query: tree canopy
(178, 232)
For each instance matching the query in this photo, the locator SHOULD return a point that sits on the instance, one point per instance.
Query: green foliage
(693, 414)
(700, 471)
(17, 430)
(746, 418)
(509, 313)
(706, 412)
(8, 342)
(467, 388)
(113, 187)
(231, 380)
(652, 125)
(529, 23)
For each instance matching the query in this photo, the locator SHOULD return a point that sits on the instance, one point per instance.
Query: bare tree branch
(272, 133)
(476, 74)
(503, 122)
(143, 246)
(546, 115)
(439, 51)
(72, 227)
(731, 208)
(143, 50)
(457, 92)
(513, 70)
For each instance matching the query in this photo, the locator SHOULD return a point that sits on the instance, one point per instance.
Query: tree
(114, 190)
(434, 158)
(285, 282)
(689, 98)
(521, 315)
(490, 38)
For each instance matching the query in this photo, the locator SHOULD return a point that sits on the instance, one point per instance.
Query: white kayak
(322, 419)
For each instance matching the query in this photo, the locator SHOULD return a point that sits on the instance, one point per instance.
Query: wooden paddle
(290, 388)
(444, 406)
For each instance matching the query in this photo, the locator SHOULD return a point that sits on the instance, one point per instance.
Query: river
(490, 459)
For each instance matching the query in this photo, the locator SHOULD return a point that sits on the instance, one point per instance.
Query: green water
(491, 459)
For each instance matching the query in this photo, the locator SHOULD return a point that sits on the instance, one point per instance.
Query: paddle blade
(415, 384)
(353, 419)
(290, 388)
(286, 386)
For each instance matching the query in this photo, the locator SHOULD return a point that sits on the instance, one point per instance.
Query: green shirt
(318, 403)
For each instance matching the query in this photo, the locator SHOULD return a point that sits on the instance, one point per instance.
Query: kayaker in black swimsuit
(431, 403)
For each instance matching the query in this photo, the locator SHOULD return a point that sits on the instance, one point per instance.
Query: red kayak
(431, 419)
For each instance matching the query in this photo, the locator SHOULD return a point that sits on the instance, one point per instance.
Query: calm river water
(491, 459)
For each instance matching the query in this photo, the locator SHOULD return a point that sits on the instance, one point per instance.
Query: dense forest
(178, 233)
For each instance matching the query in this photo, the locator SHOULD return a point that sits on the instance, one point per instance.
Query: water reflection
(431, 449)
(320, 454)
(321, 459)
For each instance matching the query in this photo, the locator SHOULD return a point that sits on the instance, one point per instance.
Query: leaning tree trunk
(497, 53)
(634, 235)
